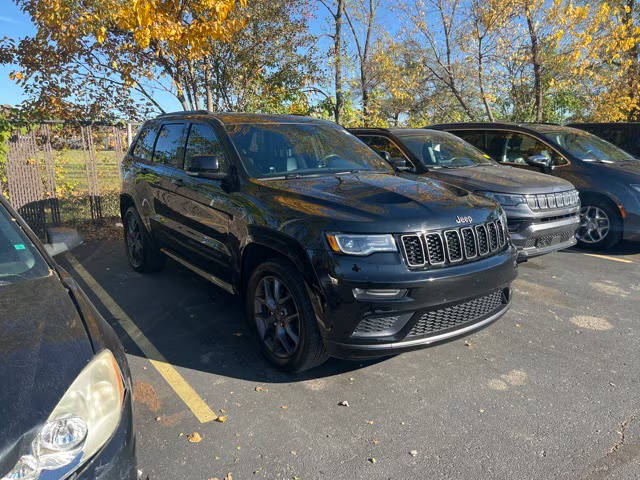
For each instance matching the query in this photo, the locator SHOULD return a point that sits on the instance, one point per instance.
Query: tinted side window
(144, 146)
(382, 144)
(473, 137)
(520, 147)
(204, 141)
(496, 144)
(170, 145)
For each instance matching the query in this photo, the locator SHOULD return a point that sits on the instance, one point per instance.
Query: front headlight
(505, 199)
(85, 418)
(351, 244)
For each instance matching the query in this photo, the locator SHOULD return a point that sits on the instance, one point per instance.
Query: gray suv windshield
(588, 147)
(19, 258)
(444, 150)
(299, 149)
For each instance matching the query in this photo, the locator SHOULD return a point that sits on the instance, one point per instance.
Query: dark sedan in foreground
(65, 401)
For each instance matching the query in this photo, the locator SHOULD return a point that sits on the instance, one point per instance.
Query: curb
(62, 239)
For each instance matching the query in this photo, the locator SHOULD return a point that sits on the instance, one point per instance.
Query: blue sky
(15, 24)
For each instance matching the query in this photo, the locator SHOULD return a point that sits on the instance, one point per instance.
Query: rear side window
(170, 145)
(144, 146)
(204, 141)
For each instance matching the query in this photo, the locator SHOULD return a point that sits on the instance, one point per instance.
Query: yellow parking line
(606, 257)
(188, 395)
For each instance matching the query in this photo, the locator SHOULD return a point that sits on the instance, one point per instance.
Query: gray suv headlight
(505, 199)
(84, 420)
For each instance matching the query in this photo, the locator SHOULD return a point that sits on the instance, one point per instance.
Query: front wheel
(280, 313)
(600, 225)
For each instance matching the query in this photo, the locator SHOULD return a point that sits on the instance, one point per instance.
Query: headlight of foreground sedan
(351, 244)
(505, 199)
(83, 421)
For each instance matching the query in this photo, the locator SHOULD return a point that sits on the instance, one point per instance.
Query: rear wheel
(600, 225)
(142, 254)
(280, 313)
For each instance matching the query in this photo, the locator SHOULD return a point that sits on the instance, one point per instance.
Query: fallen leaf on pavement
(467, 343)
(221, 419)
(376, 441)
(343, 403)
(293, 452)
(259, 389)
(228, 477)
(284, 406)
(370, 422)
(413, 453)
(372, 460)
(194, 437)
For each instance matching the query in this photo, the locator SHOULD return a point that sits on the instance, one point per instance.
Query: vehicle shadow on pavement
(623, 248)
(192, 323)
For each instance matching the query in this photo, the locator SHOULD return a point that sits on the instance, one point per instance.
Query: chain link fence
(63, 173)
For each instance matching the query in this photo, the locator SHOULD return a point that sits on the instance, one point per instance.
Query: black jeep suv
(607, 177)
(333, 252)
(542, 211)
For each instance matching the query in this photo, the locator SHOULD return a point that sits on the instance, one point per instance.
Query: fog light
(378, 293)
(25, 469)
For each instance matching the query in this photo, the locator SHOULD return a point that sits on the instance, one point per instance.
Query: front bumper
(439, 304)
(534, 237)
(117, 458)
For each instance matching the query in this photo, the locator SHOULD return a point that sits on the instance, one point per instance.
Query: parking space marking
(189, 396)
(606, 257)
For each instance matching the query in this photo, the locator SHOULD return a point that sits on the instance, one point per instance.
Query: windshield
(277, 149)
(588, 147)
(444, 150)
(19, 258)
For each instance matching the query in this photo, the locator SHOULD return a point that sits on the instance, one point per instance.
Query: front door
(204, 209)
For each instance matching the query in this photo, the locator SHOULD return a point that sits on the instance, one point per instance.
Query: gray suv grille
(453, 245)
(552, 201)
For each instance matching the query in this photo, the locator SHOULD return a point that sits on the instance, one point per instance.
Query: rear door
(145, 178)
(204, 209)
(168, 158)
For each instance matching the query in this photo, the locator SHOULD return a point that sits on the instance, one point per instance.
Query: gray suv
(607, 177)
(542, 211)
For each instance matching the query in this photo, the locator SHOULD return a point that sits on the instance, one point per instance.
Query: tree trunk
(537, 68)
(634, 71)
(180, 93)
(487, 107)
(207, 86)
(337, 46)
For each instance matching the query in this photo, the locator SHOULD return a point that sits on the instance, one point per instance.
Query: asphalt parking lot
(551, 390)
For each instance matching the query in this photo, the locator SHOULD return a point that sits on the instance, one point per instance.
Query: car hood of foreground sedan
(43, 347)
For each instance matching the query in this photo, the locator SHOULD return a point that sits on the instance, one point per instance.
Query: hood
(43, 347)
(629, 169)
(502, 179)
(370, 202)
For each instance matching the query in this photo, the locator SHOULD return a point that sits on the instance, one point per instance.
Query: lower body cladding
(116, 460)
(368, 317)
(543, 235)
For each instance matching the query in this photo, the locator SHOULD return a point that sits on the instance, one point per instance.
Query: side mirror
(385, 156)
(206, 166)
(541, 161)
(400, 164)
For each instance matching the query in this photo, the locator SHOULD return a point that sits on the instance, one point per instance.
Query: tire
(594, 214)
(271, 317)
(142, 254)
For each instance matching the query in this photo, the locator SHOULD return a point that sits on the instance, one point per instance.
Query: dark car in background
(542, 211)
(625, 135)
(333, 253)
(65, 401)
(607, 177)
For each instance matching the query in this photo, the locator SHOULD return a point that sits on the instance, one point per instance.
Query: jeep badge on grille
(466, 219)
